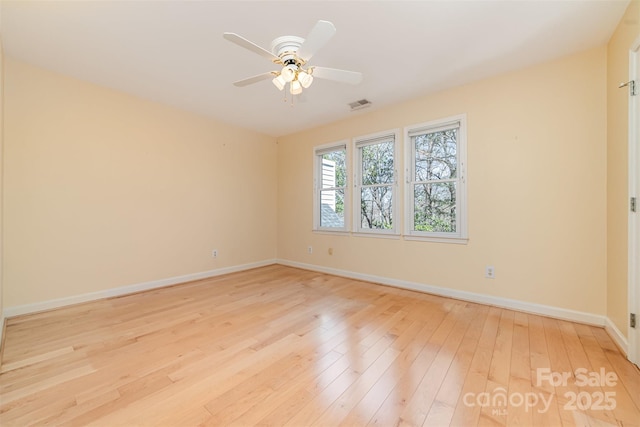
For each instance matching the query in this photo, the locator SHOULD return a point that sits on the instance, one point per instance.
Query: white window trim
(317, 150)
(461, 236)
(357, 227)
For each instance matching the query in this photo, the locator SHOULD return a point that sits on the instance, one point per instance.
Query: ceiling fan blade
(343, 76)
(241, 41)
(254, 79)
(318, 37)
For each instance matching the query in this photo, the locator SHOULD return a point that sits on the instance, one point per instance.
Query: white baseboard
(617, 336)
(124, 290)
(544, 310)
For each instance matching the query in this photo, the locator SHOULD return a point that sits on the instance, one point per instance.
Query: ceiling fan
(293, 54)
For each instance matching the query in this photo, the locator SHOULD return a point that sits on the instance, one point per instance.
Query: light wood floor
(281, 346)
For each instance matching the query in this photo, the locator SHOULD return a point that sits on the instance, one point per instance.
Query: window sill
(376, 235)
(453, 240)
(333, 233)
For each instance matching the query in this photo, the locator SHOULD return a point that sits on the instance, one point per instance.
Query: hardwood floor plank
(581, 366)
(468, 410)
(545, 411)
(286, 389)
(445, 402)
(499, 373)
(341, 407)
(283, 346)
(434, 333)
(518, 411)
(375, 396)
(619, 394)
(419, 404)
(293, 404)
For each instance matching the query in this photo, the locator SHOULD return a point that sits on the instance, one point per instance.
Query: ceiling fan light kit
(293, 53)
(305, 79)
(295, 88)
(279, 81)
(289, 72)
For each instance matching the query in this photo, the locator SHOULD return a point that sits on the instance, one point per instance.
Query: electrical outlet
(490, 272)
(214, 253)
(310, 249)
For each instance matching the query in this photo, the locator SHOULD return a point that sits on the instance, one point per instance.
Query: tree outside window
(375, 195)
(435, 187)
(376, 190)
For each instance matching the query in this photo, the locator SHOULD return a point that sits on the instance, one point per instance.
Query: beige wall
(617, 164)
(537, 189)
(105, 190)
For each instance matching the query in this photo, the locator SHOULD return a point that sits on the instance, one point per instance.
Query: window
(436, 181)
(375, 190)
(330, 188)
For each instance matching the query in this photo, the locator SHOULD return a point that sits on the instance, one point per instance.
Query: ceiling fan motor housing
(285, 47)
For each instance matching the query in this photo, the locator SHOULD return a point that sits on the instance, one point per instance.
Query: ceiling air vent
(359, 105)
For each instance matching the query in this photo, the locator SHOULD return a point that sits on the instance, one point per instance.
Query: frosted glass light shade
(305, 79)
(279, 82)
(296, 88)
(288, 73)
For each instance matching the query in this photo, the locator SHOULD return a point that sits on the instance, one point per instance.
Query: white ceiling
(173, 51)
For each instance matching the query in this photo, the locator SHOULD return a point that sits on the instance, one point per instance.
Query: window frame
(357, 143)
(318, 151)
(461, 235)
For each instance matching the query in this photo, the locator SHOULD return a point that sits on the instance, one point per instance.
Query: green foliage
(377, 182)
(443, 225)
(435, 190)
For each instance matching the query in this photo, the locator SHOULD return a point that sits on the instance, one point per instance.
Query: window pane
(435, 207)
(377, 163)
(332, 208)
(435, 155)
(376, 207)
(334, 169)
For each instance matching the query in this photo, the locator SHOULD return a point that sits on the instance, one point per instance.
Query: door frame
(633, 353)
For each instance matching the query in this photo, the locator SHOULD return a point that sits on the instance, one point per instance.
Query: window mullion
(376, 185)
(436, 181)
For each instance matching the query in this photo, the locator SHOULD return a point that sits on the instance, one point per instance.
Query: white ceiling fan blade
(343, 76)
(241, 41)
(251, 80)
(318, 37)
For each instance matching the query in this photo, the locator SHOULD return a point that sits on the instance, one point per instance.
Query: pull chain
(285, 95)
